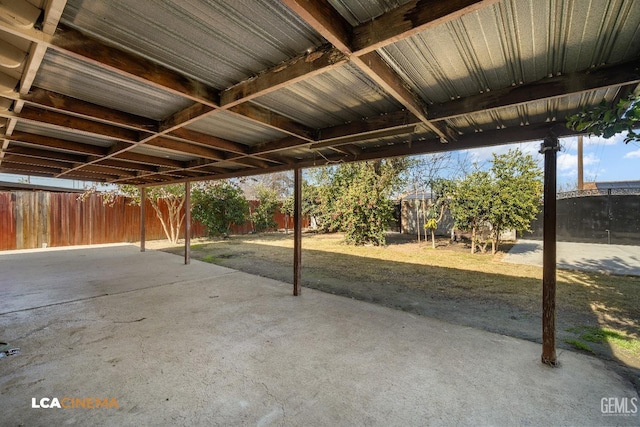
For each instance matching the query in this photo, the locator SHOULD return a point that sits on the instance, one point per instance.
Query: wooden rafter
(322, 17)
(87, 48)
(410, 19)
(38, 115)
(209, 140)
(273, 120)
(184, 117)
(297, 69)
(65, 104)
(185, 147)
(553, 87)
(39, 141)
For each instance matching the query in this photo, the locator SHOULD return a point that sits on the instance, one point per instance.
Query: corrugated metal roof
(336, 97)
(160, 152)
(218, 43)
(235, 128)
(515, 42)
(83, 80)
(223, 42)
(536, 112)
(43, 129)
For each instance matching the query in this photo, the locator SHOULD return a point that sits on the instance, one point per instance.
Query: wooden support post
(143, 193)
(297, 231)
(549, 148)
(187, 222)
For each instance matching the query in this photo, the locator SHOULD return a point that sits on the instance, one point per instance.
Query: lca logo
(73, 403)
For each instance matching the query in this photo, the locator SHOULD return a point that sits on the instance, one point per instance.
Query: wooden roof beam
(87, 48)
(417, 14)
(122, 164)
(408, 20)
(210, 141)
(384, 121)
(184, 117)
(23, 169)
(323, 17)
(553, 87)
(37, 161)
(295, 70)
(40, 141)
(65, 104)
(273, 120)
(46, 154)
(72, 42)
(185, 147)
(39, 115)
(148, 160)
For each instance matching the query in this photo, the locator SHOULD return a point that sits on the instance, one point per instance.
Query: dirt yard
(596, 313)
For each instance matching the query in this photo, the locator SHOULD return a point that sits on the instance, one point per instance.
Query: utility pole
(580, 165)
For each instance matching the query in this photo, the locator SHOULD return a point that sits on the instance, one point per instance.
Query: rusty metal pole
(143, 199)
(549, 148)
(297, 231)
(187, 222)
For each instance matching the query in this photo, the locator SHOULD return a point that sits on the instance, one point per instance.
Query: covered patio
(202, 344)
(157, 92)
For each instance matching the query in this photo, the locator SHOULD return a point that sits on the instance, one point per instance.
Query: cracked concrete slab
(205, 345)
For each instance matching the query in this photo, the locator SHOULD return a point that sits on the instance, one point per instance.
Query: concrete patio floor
(206, 345)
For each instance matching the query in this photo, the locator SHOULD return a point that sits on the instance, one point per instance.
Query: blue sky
(604, 160)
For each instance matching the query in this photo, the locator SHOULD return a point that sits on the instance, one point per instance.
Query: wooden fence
(37, 219)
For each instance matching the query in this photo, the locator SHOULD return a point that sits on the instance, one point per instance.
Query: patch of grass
(579, 345)
(211, 259)
(609, 336)
(216, 258)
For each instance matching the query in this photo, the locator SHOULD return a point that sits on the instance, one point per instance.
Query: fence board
(7, 222)
(31, 219)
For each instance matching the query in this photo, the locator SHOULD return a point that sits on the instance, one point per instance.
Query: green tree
(287, 207)
(471, 204)
(263, 214)
(517, 189)
(503, 198)
(218, 206)
(607, 120)
(363, 204)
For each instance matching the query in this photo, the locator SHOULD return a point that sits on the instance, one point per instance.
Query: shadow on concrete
(609, 259)
(487, 301)
(206, 345)
(613, 265)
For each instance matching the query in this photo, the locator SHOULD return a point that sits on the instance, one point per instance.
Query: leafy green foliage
(355, 198)
(517, 188)
(218, 206)
(286, 207)
(505, 197)
(606, 121)
(262, 216)
(471, 204)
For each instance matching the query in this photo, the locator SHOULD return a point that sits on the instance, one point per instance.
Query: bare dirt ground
(447, 283)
